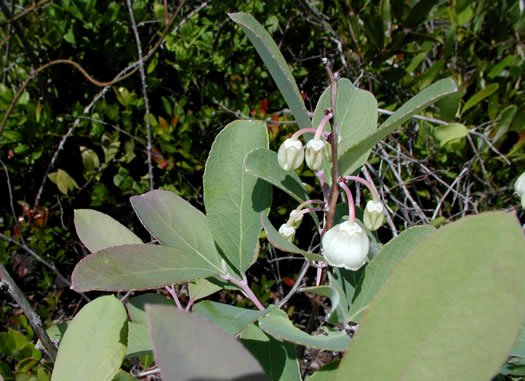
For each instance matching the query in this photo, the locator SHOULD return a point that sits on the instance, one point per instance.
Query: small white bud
(287, 232)
(315, 153)
(374, 215)
(345, 245)
(297, 221)
(291, 154)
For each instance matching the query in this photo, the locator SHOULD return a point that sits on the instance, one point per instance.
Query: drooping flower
(315, 153)
(287, 232)
(346, 245)
(374, 215)
(291, 154)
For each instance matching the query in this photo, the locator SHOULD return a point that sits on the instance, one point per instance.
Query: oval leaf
(276, 65)
(356, 115)
(425, 98)
(451, 310)
(189, 347)
(233, 198)
(95, 342)
(99, 231)
(449, 133)
(176, 223)
(138, 267)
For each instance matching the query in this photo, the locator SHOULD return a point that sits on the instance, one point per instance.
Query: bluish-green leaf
(277, 324)
(189, 347)
(230, 318)
(263, 164)
(379, 269)
(277, 357)
(425, 98)
(356, 115)
(94, 345)
(276, 65)
(451, 309)
(99, 231)
(138, 267)
(233, 198)
(334, 292)
(326, 373)
(176, 223)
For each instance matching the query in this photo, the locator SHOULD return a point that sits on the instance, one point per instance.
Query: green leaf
(449, 106)
(278, 358)
(99, 231)
(177, 224)
(201, 288)
(356, 115)
(276, 65)
(189, 347)
(230, 318)
(326, 373)
(136, 305)
(379, 269)
(138, 267)
(277, 324)
(450, 133)
(283, 244)
(479, 96)
(123, 376)
(417, 103)
(139, 342)
(94, 345)
(439, 315)
(263, 164)
(233, 198)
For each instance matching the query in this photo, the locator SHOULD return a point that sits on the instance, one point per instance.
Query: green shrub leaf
(94, 344)
(451, 310)
(276, 64)
(138, 267)
(189, 347)
(233, 198)
(99, 231)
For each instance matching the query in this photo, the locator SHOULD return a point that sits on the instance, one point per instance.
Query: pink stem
(307, 202)
(194, 297)
(171, 290)
(300, 213)
(322, 124)
(302, 131)
(370, 186)
(350, 198)
(243, 285)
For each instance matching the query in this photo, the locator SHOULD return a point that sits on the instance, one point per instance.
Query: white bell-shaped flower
(315, 153)
(291, 154)
(345, 245)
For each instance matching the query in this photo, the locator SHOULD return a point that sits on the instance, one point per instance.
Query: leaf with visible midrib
(451, 309)
(138, 267)
(233, 198)
(276, 64)
(176, 223)
(430, 95)
(94, 344)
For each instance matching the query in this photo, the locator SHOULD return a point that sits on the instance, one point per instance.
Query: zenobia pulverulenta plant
(445, 287)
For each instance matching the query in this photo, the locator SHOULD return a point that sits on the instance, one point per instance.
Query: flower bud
(345, 245)
(519, 188)
(291, 154)
(287, 232)
(315, 152)
(297, 221)
(374, 216)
